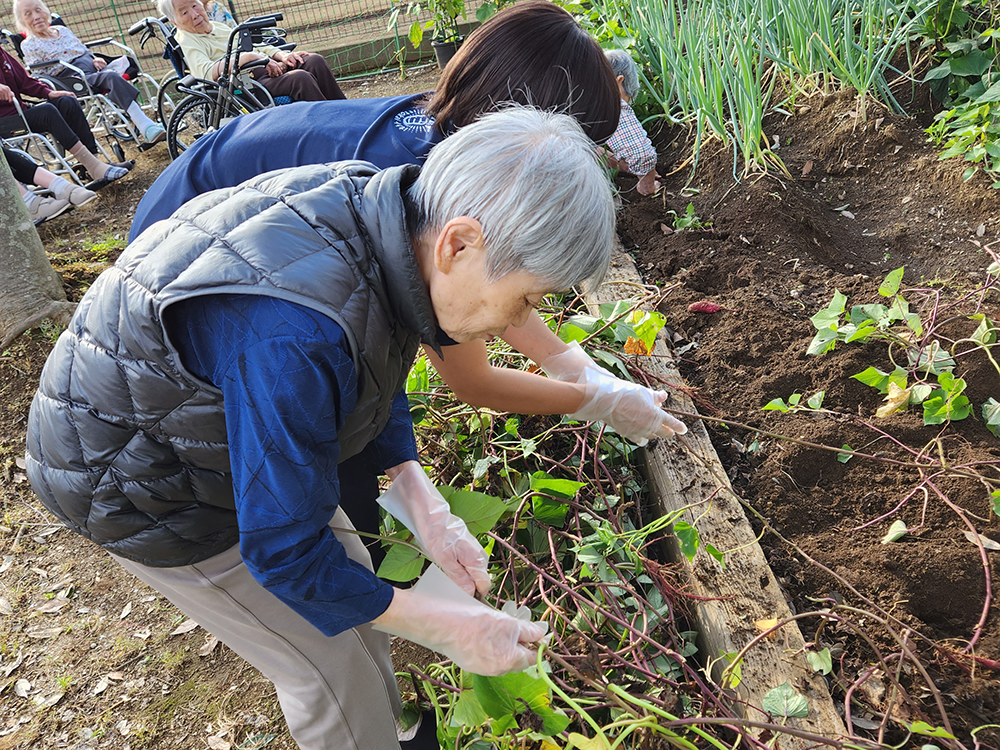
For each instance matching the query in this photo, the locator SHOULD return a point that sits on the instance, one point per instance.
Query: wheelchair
(104, 118)
(191, 106)
(17, 135)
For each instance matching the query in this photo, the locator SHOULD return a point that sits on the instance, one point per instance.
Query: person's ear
(620, 79)
(457, 242)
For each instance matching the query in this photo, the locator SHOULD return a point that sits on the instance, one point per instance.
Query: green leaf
(485, 12)
(986, 333)
(891, 283)
(991, 415)
(815, 401)
(562, 488)
(711, 549)
(845, 457)
(569, 333)
(553, 721)
(922, 727)
(829, 316)
(482, 467)
(824, 341)
(820, 661)
(777, 404)
(479, 511)
(646, 326)
(973, 64)
(401, 563)
(995, 501)
(784, 701)
(941, 71)
(468, 710)
(896, 531)
(875, 378)
(509, 694)
(549, 511)
(688, 537)
(920, 392)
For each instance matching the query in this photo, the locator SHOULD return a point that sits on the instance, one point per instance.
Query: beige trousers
(336, 693)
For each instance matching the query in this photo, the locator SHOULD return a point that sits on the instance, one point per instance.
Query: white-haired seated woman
(44, 42)
(302, 76)
(192, 417)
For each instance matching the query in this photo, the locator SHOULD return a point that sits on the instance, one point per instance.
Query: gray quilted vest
(127, 447)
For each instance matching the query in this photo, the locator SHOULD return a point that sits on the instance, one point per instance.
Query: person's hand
(478, 638)
(56, 94)
(100, 63)
(443, 536)
(6, 93)
(629, 409)
(648, 183)
(274, 68)
(293, 59)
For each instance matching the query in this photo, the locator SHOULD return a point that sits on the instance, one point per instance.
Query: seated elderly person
(44, 42)
(61, 115)
(302, 76)
(194, 426)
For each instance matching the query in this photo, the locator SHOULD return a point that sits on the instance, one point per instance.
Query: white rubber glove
(629, 409)
(443, 536)
(437, 614)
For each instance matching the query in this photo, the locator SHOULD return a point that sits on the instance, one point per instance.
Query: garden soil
(864, 196)
(90, 658)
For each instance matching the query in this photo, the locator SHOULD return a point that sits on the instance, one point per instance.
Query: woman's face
(468, 307)
(33, 17)
(191, 17)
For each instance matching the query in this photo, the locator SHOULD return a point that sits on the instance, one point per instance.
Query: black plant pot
(444, 51)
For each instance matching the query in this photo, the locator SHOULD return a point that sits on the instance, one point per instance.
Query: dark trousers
(23, 169)
(358, 478)
(64, 119)
(312, 81)
(116, 88)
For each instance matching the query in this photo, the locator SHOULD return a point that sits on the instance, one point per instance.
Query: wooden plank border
(688, 475)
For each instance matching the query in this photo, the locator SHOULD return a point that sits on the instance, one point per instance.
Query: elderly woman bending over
(44, 42)
(302, 76)
(261, 365)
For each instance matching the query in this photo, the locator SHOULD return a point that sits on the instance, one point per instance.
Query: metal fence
(352, 34)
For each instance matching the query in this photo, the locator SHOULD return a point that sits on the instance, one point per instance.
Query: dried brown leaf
(185, 627)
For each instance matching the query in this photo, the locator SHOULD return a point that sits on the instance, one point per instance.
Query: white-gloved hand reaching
(437, 614)
(629, 409)
(443, 536)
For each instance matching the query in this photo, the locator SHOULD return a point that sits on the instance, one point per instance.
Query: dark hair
(532, 53)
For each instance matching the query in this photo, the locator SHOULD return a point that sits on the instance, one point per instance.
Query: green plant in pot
(443, 25)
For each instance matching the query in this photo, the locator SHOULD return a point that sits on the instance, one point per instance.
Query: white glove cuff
(569, 365)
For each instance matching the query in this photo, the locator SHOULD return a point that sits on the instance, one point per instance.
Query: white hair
(623, 65)
(534, 181)
(17, 16)
(166, 8)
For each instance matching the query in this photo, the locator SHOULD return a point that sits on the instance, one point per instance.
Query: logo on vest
(413, 121)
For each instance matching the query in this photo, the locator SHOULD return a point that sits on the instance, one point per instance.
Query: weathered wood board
(686, 474)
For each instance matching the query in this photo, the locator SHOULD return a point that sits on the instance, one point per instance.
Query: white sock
(137, 116)
(29, 199)
(60, 188)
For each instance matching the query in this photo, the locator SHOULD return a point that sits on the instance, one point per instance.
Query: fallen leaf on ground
(209, 646)
(218, 743)
(143, 634)
(126, 611)
(116, 676)
(897, 399)
(764, 625)
(22, 687)
(8, 668)
(185, 627)
(100, 687)
(43, 633)
(984, 540)
(49, 701)
(6, 608)
(52, 606)
(635, 346)
(807, 167)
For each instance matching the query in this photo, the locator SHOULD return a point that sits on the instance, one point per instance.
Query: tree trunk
(30, 289)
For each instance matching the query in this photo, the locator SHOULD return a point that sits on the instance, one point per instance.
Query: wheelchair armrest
(287, 46)
(44, 63)
(98, 42)
(252, 64)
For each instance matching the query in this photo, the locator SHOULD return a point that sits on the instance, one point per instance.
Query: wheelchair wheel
(167, 98)
(189, 122)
